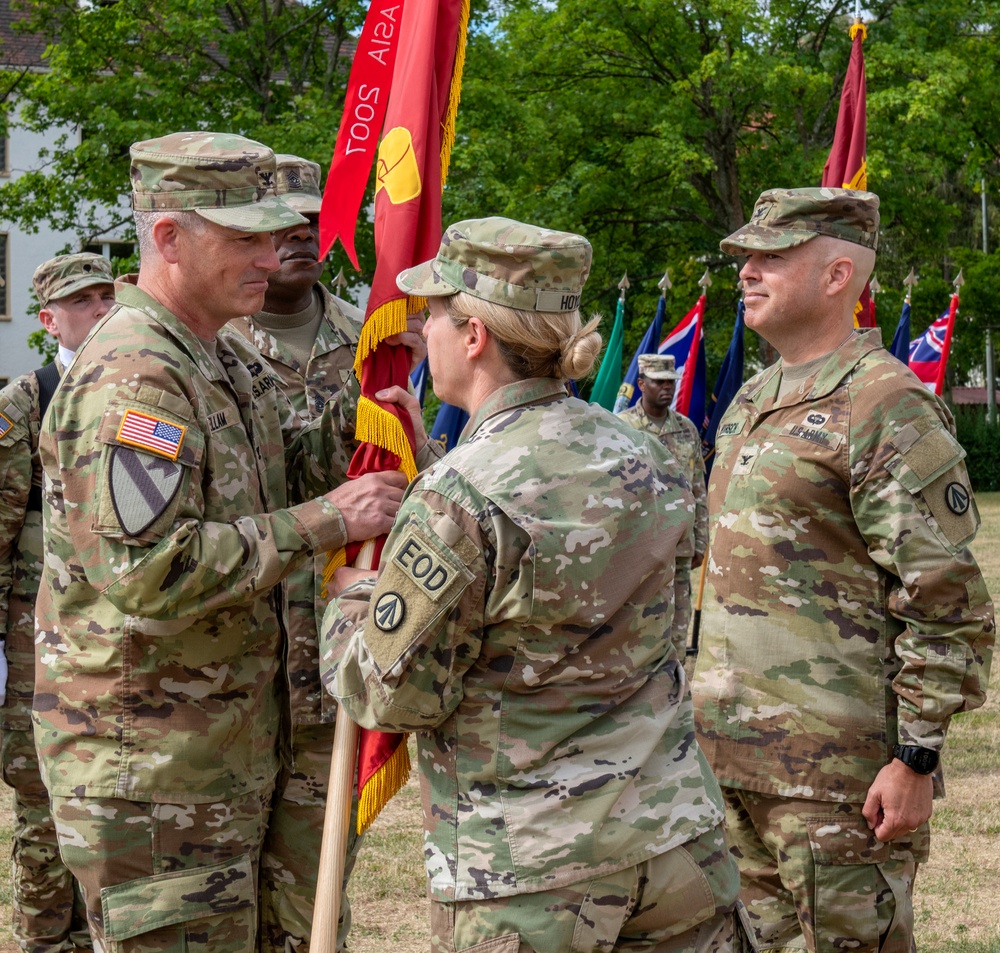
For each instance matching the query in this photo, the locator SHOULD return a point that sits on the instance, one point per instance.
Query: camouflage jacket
(20, 543)
(679, 436)
(172, 509)
(328, 370)
(843, 611)
(519, 624)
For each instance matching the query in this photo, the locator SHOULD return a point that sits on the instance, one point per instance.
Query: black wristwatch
(921, 760)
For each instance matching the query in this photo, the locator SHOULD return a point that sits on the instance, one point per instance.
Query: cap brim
(761, 238)
(86, 282)
(271, 214)
(305, 204)
(424, 281)
(676, 376)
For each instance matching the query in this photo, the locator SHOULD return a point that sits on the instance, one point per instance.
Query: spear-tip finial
(959, 281)
(340, 281)
(624, 285)
(705, 280)
(910, 281)
(873, 286)
(739, 287)
(665, 284)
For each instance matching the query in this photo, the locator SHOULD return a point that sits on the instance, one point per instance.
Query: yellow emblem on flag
(860, 179)
(396, 170)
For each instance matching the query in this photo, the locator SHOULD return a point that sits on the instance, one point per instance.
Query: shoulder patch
(142, 487)
(6, 424)
(147, 432)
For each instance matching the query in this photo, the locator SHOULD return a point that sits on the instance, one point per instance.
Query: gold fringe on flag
(379, 427)
(857, 28)
(386, 320)
(382, 786)
(334, 561)
(454, 94)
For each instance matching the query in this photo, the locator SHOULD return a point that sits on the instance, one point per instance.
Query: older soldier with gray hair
(518, 625)
(74, 292)
(181, 488)
(846, 620)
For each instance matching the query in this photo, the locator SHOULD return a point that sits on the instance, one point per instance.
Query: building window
(4, 156)
(4, 272)
(4, 381)
(111, 250)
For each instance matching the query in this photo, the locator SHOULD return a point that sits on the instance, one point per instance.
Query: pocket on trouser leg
(208, 908)
(848, 883)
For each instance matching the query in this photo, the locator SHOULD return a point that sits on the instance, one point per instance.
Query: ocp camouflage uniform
(679, 435)
(517, 625)
(844, 613)
(48, 909)
(290, 861)
(160, 681)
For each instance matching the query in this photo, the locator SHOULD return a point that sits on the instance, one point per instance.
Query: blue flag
(448, 425)
(900, 346)
(418, 378)
(729, 381)
(628, 393)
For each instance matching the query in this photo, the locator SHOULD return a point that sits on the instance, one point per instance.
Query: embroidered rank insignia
(141, 488)
(151, 433)
(5, 424)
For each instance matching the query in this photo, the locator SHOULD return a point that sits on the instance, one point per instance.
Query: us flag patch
(5, 424)
(151, 433)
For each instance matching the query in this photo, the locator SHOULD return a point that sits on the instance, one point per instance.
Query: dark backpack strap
(48, 381)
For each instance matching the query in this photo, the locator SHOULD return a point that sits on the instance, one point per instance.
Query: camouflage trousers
(290, 862)
(681, 625)
(682, 901)
(49, 916)
(166, 878)
(813, 876)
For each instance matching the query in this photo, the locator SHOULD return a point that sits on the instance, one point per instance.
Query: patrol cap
(298, 182)
(64, 275)
(507, 262)
(658, 367)
(785, 218)
(226, 179)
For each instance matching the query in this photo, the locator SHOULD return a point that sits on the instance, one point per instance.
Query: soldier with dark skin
(180, 489)
(845, 619)
(74, 292)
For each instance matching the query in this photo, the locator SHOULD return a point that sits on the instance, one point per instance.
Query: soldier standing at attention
(309, 338)
(180, 488)
(846, 620)
(657, 382)
(74, 292)
(517, 625)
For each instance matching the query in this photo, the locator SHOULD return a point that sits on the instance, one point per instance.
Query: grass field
(957, 891)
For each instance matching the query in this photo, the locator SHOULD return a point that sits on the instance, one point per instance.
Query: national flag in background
(729, 381)
(929, 352)
(900, 346)
(846, 166)
(609, 377)
(412, 163)
(628, 393)
(687, 345)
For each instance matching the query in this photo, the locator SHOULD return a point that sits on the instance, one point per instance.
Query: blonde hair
(533, 343)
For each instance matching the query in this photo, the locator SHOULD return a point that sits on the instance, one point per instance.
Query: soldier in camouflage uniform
(657, 382)
(518, 625)
(74, 292)
(845, 620)
(180, 488)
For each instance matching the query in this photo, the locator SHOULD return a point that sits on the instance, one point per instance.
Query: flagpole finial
(705, 281)
(665, 284)
(340, 282)
(739, 287)
(910, 281)
(959, 281)
(873, 286)
(624, 285)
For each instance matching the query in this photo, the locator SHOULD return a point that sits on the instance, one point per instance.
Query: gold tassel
(415, 304)
(379, 427)
(454, 93)
(857, 28)
(386, 320)
(382, 785)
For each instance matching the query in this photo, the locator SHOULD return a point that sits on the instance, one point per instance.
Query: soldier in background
(180, 488)
(657, 381)
(74, 292)
(517, 626)
(846, 620)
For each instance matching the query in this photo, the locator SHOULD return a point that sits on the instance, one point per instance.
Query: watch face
(925, 760)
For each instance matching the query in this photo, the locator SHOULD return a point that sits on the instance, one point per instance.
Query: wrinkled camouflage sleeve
(395, 654)
(700, 490)
(902, 472)
(15, 485)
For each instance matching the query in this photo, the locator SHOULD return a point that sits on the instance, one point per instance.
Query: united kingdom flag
(929, 352)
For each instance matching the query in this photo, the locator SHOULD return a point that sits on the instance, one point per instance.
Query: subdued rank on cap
(227, 179)
(507, 262)
(658, 367)
(298, 182)
(64, 275)
(786, 218)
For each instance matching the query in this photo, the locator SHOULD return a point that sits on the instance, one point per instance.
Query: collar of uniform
(534, 390)
(340, 326)
(128, 294)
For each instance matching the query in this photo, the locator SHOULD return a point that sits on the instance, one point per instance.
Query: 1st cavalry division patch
(142, 487)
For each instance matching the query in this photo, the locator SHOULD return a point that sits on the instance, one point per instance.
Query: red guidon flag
(846, 167)
(412, 163)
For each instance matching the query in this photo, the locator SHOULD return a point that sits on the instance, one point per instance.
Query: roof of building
(18, 50)
(971, 395)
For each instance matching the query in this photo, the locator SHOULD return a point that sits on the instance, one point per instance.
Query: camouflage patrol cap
(224, 178)
(298, 182)
(64, 275)
(658, 367)
(507, 262)
(785, 218)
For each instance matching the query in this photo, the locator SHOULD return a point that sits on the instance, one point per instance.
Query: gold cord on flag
(857, 28)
